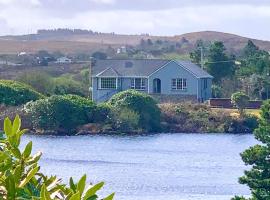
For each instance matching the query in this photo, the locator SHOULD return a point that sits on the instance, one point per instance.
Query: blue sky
(249, 18)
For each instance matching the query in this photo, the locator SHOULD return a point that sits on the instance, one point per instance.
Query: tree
(219, 65)
(257, 178)
(99, 55)
(241, 101)
(250, 49)
(196, 54)
(254, 61)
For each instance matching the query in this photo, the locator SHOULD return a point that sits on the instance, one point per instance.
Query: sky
(250, 18)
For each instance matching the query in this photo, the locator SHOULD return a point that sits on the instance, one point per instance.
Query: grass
(234, 111)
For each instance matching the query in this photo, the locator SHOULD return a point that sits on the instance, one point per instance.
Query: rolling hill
(89, 42)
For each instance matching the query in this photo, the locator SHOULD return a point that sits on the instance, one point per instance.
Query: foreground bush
(141, 104)
(61, 113)
(257, 178)
(15, 93)
(20, 176)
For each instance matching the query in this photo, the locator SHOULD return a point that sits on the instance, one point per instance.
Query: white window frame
(107, 85)
(179, 84)
(142, 85)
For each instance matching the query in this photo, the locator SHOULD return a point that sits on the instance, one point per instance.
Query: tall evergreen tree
(219, 64)
(258, 156)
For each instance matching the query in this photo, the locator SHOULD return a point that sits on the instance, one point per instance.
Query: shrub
(125, 120)
(15, 93)
(102, 113)
(61, 113)
(20, 176)
(41, 81)
(66, 85)
(142, 104)
(240, 100)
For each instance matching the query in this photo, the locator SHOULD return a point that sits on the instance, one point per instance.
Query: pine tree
(258, 156)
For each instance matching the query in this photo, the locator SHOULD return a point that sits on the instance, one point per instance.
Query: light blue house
(160, 78)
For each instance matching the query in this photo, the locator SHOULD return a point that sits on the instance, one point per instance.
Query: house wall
(170, 71)
(204, 93)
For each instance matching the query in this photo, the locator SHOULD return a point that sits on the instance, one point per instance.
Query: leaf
(44, 194)
(75, 196)
(27, 151)
(8, 127)
(92, 191)
(11, 192)
(16, 152)
(16, 125)
(81, 184)
(30, 175)
(34, 159)
(72, 185)
(110, 197)
(17, 173)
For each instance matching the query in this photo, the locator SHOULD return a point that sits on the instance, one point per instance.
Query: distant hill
(74, 41)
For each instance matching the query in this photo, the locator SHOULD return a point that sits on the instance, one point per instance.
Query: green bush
(142, 104)
(66, 85)
(40, 81)
(20, 176)
(102, 113)
(240, 100)
(125, 120)
(15, 93)
(61, 113)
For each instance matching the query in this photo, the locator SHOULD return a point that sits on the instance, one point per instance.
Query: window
(179, 84)
(138, 83)
(107, 83)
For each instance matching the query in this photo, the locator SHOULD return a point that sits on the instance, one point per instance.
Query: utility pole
(201, 48)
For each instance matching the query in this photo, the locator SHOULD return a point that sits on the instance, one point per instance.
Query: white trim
(99, 84)
(160, 68)
(100, 73)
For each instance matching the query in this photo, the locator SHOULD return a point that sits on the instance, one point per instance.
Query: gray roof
(143, 67)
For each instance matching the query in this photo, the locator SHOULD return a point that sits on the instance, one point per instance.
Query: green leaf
(110, 197)
(16, 152)
(34, 159)
(92, 191)
(16, 125)
(29, 176)
(11, 191)
(44, 194)
(81, 184)
(17, 173)
(8, 127)
(75, 196)
(27, 151)
(72, 185)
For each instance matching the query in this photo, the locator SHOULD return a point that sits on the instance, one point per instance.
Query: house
(171, 78)
(63, 60)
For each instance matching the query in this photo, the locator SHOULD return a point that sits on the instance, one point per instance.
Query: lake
(155, 167)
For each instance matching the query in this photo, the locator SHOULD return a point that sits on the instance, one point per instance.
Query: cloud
(159, 17)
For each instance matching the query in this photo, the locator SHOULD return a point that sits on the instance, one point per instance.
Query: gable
(187, 66)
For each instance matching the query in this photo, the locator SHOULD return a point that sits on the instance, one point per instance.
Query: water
(155, 167)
